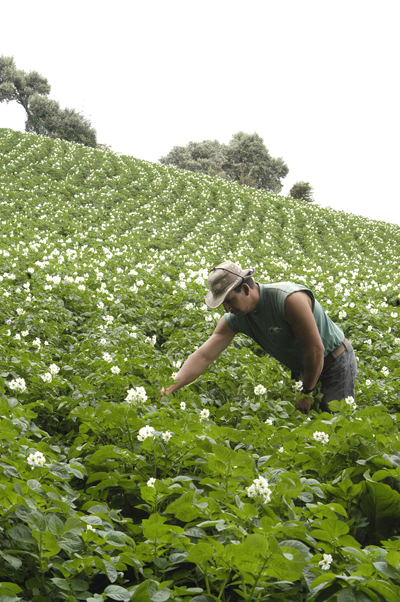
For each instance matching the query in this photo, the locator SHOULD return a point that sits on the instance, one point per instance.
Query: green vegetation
(222, 492)
(302, 190)
(44, 116)
(245, 160)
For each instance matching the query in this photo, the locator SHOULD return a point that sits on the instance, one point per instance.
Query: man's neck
(255, 296)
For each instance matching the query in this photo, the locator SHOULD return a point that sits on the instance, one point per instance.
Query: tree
(245, 159)
(302, 190)
(207, 157)
(44, 116)
(48, 119)
(249, 162)
(18, 85)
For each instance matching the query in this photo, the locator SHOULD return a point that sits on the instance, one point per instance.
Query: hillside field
(223, 491)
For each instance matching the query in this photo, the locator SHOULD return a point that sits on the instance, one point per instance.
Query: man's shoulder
(286, 286)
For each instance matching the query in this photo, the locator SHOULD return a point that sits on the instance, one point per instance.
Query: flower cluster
(260, 487)
(259, 390)
(321, 437)
(36, 459)
(136, 395)
(146, 431)
(18, 385)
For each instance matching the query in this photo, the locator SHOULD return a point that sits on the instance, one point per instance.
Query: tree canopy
(302, 190)
(44, 116)
(245, 159)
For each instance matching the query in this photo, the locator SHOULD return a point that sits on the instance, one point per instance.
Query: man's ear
(246, 289)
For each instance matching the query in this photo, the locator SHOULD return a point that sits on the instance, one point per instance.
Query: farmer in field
(287, 322)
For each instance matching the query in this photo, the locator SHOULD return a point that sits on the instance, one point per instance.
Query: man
(286, 321)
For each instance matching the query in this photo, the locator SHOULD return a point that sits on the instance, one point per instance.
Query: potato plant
(223, 491)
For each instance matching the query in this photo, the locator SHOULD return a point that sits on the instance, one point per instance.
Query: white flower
(36, 459)
(54, 369)
(107, 357)
(136, 395)
(350, 401)
(90, 528)
(151, 482)
(103, 341)
(326, 561)
(20, 311)
(259, 390)
(385, 371)
(17, 337)
(204, 414)
(281, 450)
(146, 431)
(342, 314)
(115, 370)
(269, 422)
(321, 437)
(151, 340)
(46, 377)
(166, 436)
(260, 487)
(37, 342)
(17, 385)
(25, 333)
(183, 405)
(298, 385)
(368, 382)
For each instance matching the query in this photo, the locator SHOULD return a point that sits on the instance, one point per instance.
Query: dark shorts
(338, 379)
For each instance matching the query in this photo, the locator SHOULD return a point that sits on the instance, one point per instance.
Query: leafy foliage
(302, 190)
(245, 159)
(44, 116)
(48, 119)
(109, 491)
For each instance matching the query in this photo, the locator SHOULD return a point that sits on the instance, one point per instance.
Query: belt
(335, 353)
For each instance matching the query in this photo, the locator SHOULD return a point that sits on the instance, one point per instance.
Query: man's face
(236, 303)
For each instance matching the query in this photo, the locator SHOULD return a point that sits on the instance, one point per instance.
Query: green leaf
(21, 533)
(200, 553)
(381, 505)
(115, 592)
(70, 542)
(55, 525)
(12, 587)
(346, 595)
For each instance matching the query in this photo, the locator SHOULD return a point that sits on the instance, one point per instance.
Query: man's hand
(304, 405)
(167, 391)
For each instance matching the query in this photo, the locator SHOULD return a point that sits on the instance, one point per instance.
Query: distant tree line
(44, 115)
(245, 160)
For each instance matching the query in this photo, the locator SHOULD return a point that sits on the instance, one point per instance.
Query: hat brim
(215, 301)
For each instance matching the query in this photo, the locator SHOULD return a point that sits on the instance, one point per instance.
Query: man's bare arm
(298, 312)
(200, 359)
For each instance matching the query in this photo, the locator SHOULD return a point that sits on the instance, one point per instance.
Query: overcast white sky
(317, 79)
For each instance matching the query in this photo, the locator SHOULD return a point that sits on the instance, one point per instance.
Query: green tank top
(267, 326)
